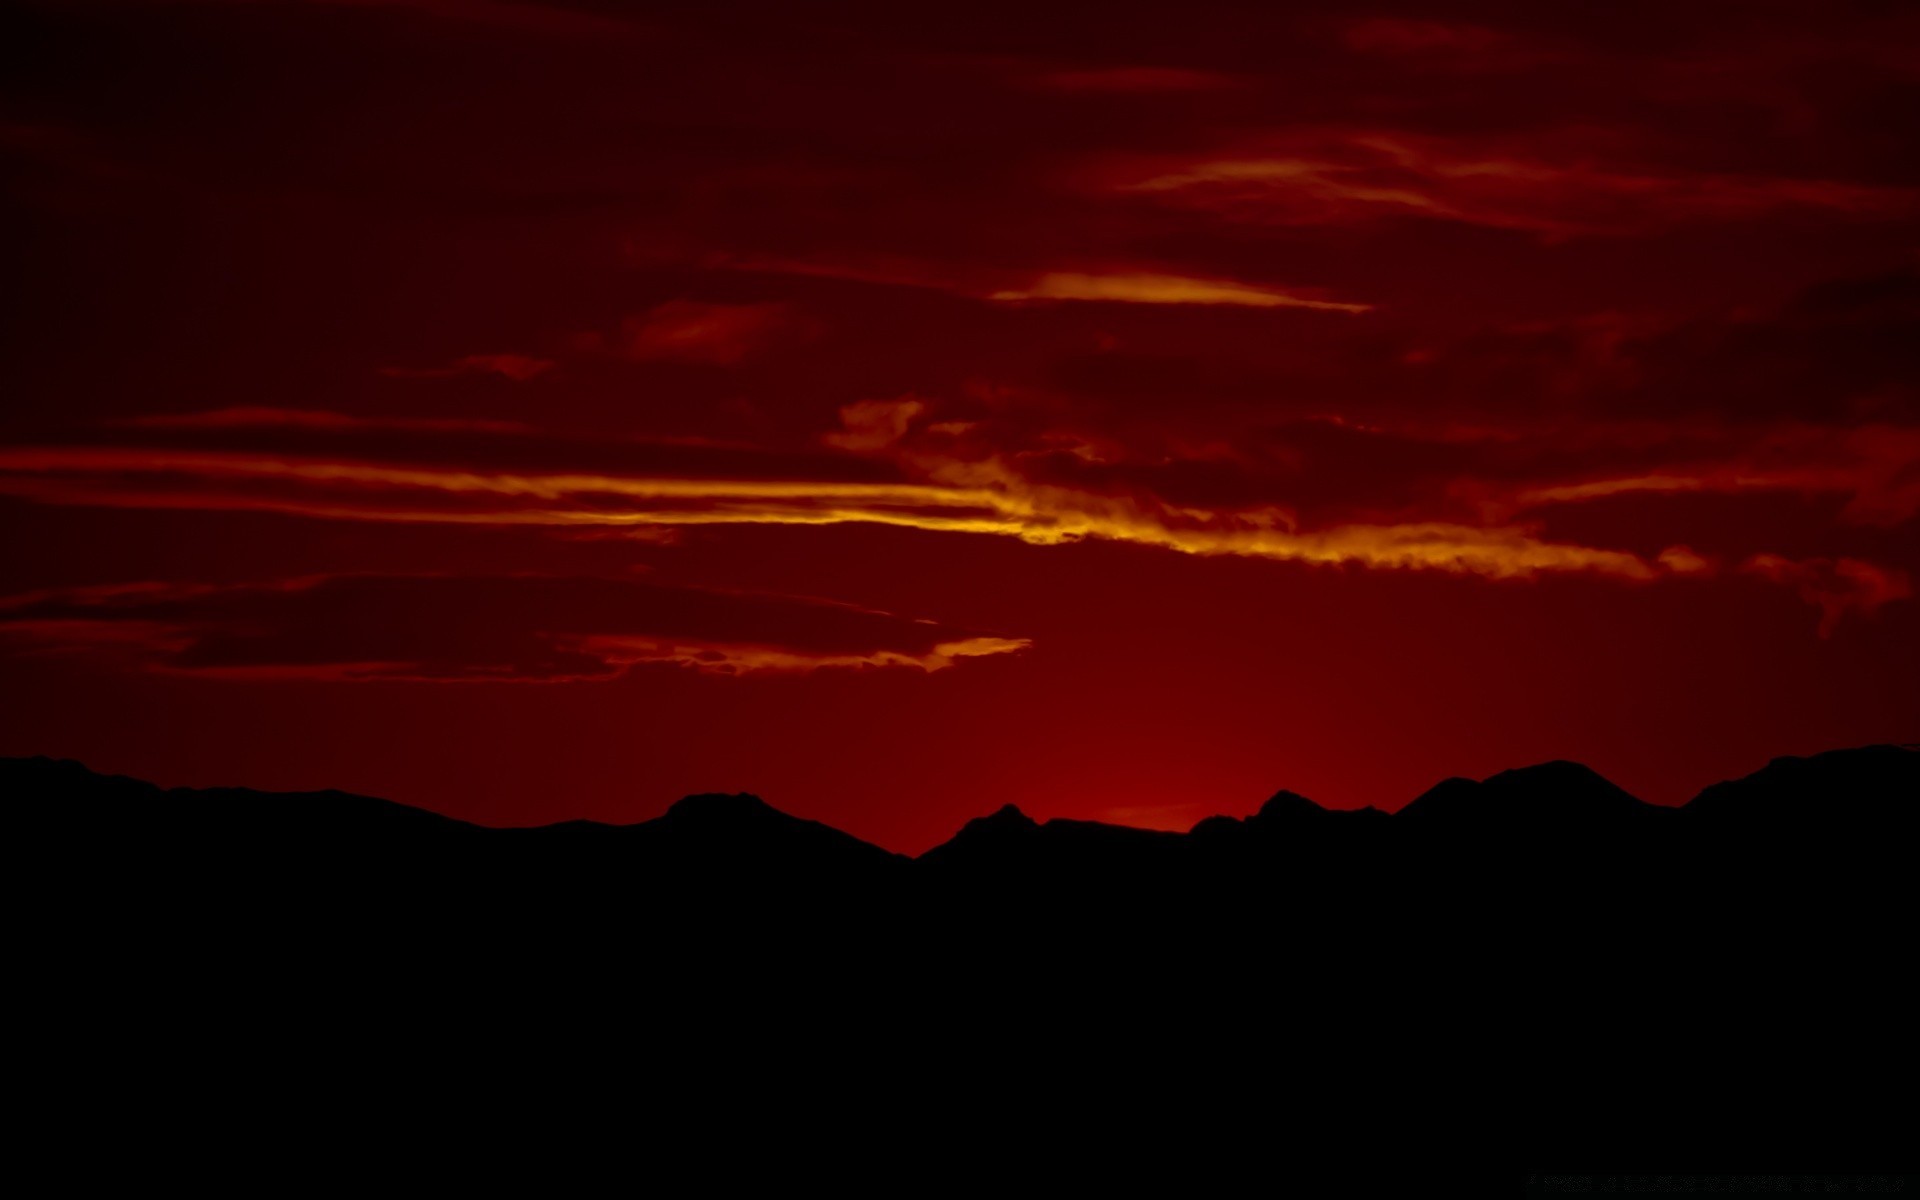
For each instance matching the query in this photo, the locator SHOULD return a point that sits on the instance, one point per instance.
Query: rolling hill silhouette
(1867, 795)
(1555, 797)
(1558, 832)
(1541, 940)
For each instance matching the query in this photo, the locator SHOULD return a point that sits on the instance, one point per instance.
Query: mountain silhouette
(1528, 959)
(1868, 794)
(727, 835)
(1551, 797)
(1558, 830)
(1862, 791)
(1009, 848)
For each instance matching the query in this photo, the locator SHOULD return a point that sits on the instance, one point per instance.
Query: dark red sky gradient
(535, 411)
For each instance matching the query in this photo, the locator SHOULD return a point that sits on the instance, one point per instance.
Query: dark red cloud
(721, 334)
(435, 628)
(1835, 586)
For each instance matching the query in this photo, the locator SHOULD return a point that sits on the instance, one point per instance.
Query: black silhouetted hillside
(1841, 792)
(722, 838)
(1866, 794)
(1554, 799)
(1537, 959)
(1548, 828)
(341, 848)
(1010, 848)
(52, 796)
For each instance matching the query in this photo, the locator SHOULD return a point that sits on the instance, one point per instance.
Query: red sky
(536, 411)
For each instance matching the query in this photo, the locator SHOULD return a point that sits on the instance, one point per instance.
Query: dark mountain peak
(1061, 828)
(1551, 793)
(742, 816)
(1004, 823)
(40, 763)
(1871, 783)
(1010, 846)
(991, 835)
(724, 808)
(133, 809)
(1216, 827)
(23, 775)
(1560, 775)
(1442, 796)
(1287, 806)
(739, 836)
(1868, 796)
(1006, 817)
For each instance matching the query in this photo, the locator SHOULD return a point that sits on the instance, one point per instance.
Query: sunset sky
(537, 411)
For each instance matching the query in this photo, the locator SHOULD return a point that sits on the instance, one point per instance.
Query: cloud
(509, 628)
(988, 495)
(479, 446)
(1836, 586)
(1841, 353)
(517, 367)
(341, 488)
(718, 334)
(1324, 177)
(1681, 560)
(1164, 289)
(1872, 465)
(1007, 285)
(871, 425)
(1461, 500)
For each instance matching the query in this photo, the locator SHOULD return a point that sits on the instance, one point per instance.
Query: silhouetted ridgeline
(1540, 937)
(1545, 860)
(1544, 825)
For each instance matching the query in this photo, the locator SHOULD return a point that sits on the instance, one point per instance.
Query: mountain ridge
(1364, 948)
(1559, 796)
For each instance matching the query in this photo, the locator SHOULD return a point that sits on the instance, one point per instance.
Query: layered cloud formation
(442, 628)
(1406, 485)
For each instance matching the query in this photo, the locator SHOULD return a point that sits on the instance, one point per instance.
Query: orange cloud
(1872, 464)
(1009, 286)
(952, 477)
(723, 658)
(1681, 560)
(871, 425)
(1323, 177)
(986, 496)
(1137, 288)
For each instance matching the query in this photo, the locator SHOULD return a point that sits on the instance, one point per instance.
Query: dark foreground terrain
(1535, 964)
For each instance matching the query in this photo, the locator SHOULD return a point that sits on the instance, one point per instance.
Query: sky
(538, 411)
